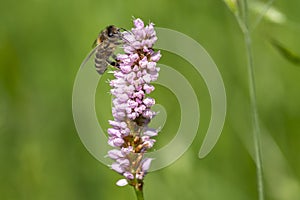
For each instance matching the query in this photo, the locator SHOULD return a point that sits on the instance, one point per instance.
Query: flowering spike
(130, 135)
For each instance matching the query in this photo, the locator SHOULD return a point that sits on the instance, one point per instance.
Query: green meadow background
(42, 44)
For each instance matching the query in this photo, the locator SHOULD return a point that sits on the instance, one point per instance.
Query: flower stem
(256, 128)
(139, 193)
(252, 93)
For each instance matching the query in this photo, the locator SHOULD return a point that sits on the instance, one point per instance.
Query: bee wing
(89, 56)
(94, 43)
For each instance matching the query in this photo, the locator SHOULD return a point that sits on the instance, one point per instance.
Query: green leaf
(286, 53)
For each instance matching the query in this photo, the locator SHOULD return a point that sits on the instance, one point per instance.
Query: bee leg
(115, 62)
(112, 63)
(114, 57)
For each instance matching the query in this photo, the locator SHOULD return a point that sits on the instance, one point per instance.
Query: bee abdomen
(102, 59)
(101, 65)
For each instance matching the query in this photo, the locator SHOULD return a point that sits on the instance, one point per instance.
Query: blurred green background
(42, 44)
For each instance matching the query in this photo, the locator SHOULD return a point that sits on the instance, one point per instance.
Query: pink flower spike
(129, 133)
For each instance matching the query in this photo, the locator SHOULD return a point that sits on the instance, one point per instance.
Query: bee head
(112, 30)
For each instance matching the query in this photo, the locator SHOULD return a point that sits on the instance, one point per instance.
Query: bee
(104, 47)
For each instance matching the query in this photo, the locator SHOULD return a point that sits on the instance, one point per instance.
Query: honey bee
(104, 47)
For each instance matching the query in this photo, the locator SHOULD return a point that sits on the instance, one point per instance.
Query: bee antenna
(123, 29)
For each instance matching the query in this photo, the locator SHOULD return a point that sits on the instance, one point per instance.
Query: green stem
(252, 93)
(139, 194)
(256, 128)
